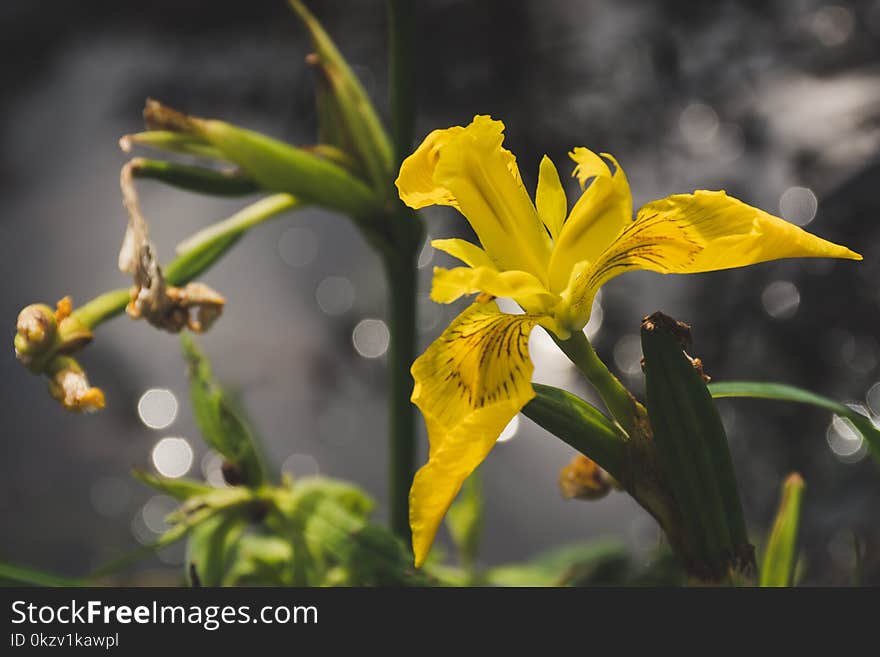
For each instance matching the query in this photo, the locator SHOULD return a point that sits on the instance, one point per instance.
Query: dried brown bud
(194, 306)
(69, 385)
(583, 479)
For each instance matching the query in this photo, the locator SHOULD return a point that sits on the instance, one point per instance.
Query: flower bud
(69, 385)
(36, 331)
(583, 479)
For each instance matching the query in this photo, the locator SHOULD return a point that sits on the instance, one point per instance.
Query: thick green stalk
(620, 402)
(401, 27)
(402, 283)
(400, 266)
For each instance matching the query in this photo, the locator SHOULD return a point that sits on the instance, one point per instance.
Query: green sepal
(582, 426)
(194, 179)
(693, 452)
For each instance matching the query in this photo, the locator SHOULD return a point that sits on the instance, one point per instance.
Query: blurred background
(778, 102)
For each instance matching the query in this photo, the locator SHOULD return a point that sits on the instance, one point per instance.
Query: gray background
(753, 97)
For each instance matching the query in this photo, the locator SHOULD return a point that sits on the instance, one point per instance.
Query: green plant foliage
(780, 556)
(784, 392)
(219, 424)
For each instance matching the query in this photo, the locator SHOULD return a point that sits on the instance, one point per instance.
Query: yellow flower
(551, 260)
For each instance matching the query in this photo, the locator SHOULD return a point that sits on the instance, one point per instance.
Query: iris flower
(551, 260)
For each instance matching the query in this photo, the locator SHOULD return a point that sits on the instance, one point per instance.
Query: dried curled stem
(194, 306)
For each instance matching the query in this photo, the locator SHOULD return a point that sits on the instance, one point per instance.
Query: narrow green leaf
(581, 425)
(194, 179)
(204, 247)
(32, 577)
(784, 392)
(347, 107)
(172, 142)
(179, 489)
(780, 556)
(693, 450)
(217, 421)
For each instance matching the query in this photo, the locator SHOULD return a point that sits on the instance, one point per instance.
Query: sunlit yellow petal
(734, 234)
(588, 165)
(415, 183)
(602, 211)
(550, 198)
(451, 284)
(692, 233)
(469, 254)
(483, 178)
(469, 384)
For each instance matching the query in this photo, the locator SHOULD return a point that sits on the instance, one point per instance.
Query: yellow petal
(692, 233)
(734, 234)
(451, 284)
(468, 385)
(602, 211)
(550, 198)
(415, 183)
(468, 168)
(469, 254)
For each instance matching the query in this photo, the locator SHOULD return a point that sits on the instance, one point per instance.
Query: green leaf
(172, 142)
(339, 543)
(581, 425)
(346, 114)
(204, 248)
(192, 178)
(596, 563)
(273, 164)
(13, 574)
(218, 422)
(693, 451)
(465, 519)
(261, 559)
(780, 556)
(179, 489)
(209, 546)
(783, 392)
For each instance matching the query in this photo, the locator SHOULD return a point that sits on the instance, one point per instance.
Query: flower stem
(402, 283)
(401, 25)
(620, 401)
(198, 253)
(400, 266)
(102, 308)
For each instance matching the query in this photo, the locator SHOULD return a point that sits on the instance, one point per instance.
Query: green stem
(402, 283)
(400, 266)
(620, 401)
(197, 254)
(239, 223)
(102, 307)
(401, 25)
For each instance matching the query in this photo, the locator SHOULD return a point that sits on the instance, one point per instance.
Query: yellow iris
(551, 260)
